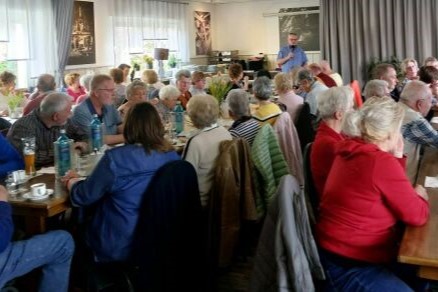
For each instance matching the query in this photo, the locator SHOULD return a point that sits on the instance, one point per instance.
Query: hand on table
(3, 194)
(70, 178)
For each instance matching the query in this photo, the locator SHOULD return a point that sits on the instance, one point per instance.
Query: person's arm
(191, 153)
(99, 183)
(81, 119)
(420, 132)
(398, 194)
(9, 158)
(6, 225)
(283, 59)
(113, 139)
(17, 131)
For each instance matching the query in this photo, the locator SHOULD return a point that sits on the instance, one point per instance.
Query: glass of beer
(29, 155)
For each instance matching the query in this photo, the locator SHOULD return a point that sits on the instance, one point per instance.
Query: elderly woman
(183, 84)
(120, 92)
(366, 197)
(409, 68)
(168, 97)
(376, 87)
(116, 186)
(287, 96)
(7, 86)
(74, 89)
(202, 149)
(150, 77)
(244, 125)
(267, 111)
(333, 104)
(85, 82)
(135, 93)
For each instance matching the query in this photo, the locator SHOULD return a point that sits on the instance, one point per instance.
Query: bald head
(418, 96)
(46, 82)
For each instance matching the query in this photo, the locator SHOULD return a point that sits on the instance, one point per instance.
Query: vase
(149, 65)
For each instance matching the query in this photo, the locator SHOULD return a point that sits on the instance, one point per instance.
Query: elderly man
(183, 84)
(376, 87)
(52, 252)
(387, 72)
(244, 126)
(313, 87)
(316, 70)
(46, 84)
(100, 103)
(291, 56)
(44, 123)
(416, 99)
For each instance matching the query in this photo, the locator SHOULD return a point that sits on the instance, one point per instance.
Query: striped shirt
(32, 126)
(246, 128)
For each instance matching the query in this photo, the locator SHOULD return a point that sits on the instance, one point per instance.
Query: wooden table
(35, 213)
(420, 244)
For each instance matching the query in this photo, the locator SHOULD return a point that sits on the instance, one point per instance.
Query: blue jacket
(10, 160)
(116, 189)
(6, 225)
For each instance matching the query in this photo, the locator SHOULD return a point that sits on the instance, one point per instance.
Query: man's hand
(3, 194)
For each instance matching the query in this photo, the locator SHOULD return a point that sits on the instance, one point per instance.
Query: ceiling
(213, 1)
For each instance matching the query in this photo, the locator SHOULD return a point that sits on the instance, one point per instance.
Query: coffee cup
(38, 190)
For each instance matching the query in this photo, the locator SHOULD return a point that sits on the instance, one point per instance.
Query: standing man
(291, 56)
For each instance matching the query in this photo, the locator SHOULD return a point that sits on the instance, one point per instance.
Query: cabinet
(223, 57)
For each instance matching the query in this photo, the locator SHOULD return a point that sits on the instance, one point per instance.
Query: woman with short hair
(120, 92)
(202, 149)
(287, 96)
(150, 77)
(366, 197)
(135, 93)
(267, 112)
(74, 89)
(118, 183)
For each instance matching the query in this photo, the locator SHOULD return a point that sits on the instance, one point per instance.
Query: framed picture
(303, 21)
(83, 45)
(203, 32)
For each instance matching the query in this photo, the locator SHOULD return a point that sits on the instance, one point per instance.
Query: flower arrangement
(148, 59)
(172, 61)
(219, 87)
(15, 99)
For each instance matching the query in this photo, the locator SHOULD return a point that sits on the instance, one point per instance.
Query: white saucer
(29, 196)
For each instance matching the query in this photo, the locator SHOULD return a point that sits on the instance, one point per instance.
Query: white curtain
(164, 20)
(137, 20)
(31, 37)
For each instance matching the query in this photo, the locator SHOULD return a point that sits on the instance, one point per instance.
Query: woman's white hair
(238, 102)
(203, 110)
(335, 99)
(376, 87)
(378, 119)
(169, 92)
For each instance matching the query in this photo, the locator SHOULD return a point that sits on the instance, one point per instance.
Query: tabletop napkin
(434, 120)
(49, 170)
(431, 182)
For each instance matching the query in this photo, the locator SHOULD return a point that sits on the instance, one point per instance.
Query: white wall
(104, 38)
(242, 26)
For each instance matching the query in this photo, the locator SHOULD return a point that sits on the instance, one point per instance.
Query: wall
(104, 40)
(242, 26)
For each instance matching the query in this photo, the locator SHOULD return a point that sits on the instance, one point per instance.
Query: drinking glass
(29, 155)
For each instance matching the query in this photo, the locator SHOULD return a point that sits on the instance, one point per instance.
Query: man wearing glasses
(291, 56)
(100, 103)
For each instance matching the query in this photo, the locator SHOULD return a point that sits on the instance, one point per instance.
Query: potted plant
(218, 86)
(148, 60)
(172, 61)
(15, 99)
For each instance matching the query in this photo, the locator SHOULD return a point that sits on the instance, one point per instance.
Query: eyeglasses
(293, 39)
(107, 89)
(434, 84)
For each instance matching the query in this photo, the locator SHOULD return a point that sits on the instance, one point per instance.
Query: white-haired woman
(332, 106)
(168, 97)
(376, 87)
(202, 149)
(135, 93)
(267, 111)
(244, 125)
(366, 197)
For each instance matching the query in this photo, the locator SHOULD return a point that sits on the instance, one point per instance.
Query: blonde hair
(149, 76)
(283, 82)
(203, 110)
(375, 121)
(71, 78)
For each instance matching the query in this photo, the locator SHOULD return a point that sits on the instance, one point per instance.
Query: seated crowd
(364, 160)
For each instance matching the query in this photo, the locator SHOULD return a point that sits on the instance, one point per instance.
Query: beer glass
(29, 155)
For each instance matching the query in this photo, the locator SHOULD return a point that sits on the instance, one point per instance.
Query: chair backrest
(312, 197)
(168, 247)
(304, 126)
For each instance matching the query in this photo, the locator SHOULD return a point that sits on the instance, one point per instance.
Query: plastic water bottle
(179, 117)
(64, 160)
(96, 134)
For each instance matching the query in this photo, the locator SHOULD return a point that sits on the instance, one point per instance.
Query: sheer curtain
(355, 32)
(137, 20)
(31, 37)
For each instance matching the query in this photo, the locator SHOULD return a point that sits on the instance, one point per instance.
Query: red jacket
(323, 154)
(366, 194)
